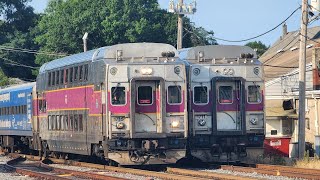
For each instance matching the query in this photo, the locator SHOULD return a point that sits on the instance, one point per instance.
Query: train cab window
(61, 76)
(53, 76)
(118, 95)
(76, 73)
(70, 75)
(174, 94)
(86, 72)
(66, 78)
(80, 73)
(145, 95)
(254, 95)
(200, 95)
(80, 122)
(225, 94)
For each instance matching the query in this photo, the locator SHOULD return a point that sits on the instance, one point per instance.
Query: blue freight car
(16, 110)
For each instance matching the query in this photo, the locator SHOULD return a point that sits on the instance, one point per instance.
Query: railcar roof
(217, 51)
(18, 87)
(130, 50)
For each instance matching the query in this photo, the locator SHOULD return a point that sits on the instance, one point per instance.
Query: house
(281, 63)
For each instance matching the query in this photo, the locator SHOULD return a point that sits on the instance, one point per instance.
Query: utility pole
(181, 9)
(302, 79)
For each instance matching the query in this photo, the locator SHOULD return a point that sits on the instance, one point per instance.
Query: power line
(14, 63)
(8, 48)
(221, 39)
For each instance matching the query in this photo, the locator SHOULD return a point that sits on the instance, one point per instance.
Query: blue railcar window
(70, 75)
(254, 94)
(86, 72)
(174, 94)
(81, 73)
(49, 78)
(80, 122)
(61, 76)
(225, 95)
(200, 95)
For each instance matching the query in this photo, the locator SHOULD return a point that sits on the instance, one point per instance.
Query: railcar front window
(225, 94)
(200, 95)
(174, 94)
(145, 95)
(254, 95)
(118, 95)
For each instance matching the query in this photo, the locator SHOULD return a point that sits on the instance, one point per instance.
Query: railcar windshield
(200, 95)
(145, 95)
(174, 94)
(118, 95)
(254, 94)
(225, 94)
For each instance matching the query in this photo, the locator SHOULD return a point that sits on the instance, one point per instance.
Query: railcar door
(229, 105)
(147, 106)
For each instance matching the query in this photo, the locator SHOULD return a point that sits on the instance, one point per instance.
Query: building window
(145, 95)
(225, 95)
(200, 95)
(174, 94)
(118, 96)
(254, 94)
(274, 132)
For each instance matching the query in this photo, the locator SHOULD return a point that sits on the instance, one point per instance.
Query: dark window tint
(200, 95)
(67, 76)
(49, 79)
(174, 94)
(71, 75)
(76, 122)
(254, 94)
(80, 122)
(274, 132)
(58, 77)
(76, 73)
(225, 94)
(145, 95)
(86, 72)
(53, 76)
(118, 95)
(61, 76)
(81, 73)
(71, 121)
(67, 125)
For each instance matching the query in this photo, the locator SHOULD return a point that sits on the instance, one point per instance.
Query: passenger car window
(200, 95)
(118, 96)
(174, 94)
(145, 95)
(225, 94)
(254, 95)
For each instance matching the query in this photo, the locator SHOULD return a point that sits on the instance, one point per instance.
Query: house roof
(285, 53)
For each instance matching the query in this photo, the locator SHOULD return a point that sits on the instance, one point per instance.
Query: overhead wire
(14, 63)
(8, 48)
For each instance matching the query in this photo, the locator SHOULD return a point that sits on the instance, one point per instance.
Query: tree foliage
(258, 46)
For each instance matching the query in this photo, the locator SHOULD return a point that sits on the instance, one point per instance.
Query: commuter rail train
(226, 102)
(126, 103)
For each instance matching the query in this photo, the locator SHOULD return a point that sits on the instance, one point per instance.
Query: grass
(311, 163)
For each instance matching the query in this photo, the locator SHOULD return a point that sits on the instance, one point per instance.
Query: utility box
(277, 146)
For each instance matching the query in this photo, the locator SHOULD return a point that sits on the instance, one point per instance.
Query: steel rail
(273, 171)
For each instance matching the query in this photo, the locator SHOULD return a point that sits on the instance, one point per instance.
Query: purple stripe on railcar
(170, 108)
(119, 109)
(150, 108)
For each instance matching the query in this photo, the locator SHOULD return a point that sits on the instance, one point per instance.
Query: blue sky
(236, 19)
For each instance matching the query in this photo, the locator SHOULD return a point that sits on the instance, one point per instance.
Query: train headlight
(175, 124)
(146, 71)
(202, 122)
(120, 125)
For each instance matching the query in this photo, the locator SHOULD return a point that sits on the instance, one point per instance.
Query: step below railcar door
(229, 106)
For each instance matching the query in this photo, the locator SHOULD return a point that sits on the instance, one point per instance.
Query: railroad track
(171, 173)
(275, 170)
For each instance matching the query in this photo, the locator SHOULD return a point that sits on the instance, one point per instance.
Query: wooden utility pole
(180, 27)
(302, 79)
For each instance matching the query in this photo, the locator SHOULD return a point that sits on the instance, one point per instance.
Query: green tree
(258, 46)
(109, 22)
